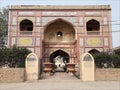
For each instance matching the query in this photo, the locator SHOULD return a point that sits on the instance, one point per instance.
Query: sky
(115, 6)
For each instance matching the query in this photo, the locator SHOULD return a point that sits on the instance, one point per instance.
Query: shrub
(101, 59)
(117, 51)
(115, 60)
(4, 56)
(13, 57)
(105, 60)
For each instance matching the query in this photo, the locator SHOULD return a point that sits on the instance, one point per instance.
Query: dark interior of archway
(26, 25)
(59, 31)
(93, 25)
(59, 53)
(93, 51)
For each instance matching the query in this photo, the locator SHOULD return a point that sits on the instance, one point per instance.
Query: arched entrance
(59, 43)
(59, 59)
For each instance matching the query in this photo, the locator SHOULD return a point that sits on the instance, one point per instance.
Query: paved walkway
(61, 81)
(61, 85)
(59, 76)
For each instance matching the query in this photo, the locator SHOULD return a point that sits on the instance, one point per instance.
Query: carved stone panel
(37, 41)
(13, 41)
(14, 21)
(93, 42)
(106, 41)
(87, 72)
(25, 41)
(105, 22)
(32, 67)
(81, 21)
(13, 31)
(38, 21)
(81, 42)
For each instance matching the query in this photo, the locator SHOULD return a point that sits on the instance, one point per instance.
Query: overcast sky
(115, 5)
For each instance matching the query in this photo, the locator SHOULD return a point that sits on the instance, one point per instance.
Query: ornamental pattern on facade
(52, 30)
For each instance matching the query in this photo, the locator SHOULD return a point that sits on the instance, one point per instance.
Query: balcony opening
(93, 27)
(26, 27)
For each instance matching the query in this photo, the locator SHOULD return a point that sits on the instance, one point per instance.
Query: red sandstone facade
(68, 31)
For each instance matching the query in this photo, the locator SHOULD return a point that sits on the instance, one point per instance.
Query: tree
(3, 26)
(13, 57)
(102, 59)
(106, 60)
(117, 51)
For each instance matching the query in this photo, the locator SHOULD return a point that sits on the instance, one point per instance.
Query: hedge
(106, 60)
(13, 57)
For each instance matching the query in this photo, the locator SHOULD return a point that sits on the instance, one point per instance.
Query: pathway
(59, 76)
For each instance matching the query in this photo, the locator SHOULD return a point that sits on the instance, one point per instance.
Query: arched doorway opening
(59, 35)
(59, 59)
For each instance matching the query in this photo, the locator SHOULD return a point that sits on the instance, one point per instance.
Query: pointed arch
(53, 28)
(93, 27)
(59, 53)
(93, 51)
(58, 19)
(26, 26)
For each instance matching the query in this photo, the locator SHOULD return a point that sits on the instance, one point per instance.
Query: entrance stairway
(59, 76)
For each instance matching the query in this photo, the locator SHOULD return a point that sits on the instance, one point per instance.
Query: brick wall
(18, 74)
(12, 74)
(111, 74)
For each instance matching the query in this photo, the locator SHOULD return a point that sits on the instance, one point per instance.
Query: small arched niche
(26, 26)
(93, 27)
(59, 31)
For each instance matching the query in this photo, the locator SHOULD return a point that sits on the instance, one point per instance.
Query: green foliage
(3, 19)
(13, 57)
(106, 60)
(117, 51)
(3, 25)
(115, 60)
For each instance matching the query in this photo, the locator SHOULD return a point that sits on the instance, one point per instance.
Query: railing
(25, 32)
(93, 33)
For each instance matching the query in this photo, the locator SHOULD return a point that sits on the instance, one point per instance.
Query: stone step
(59, 76)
